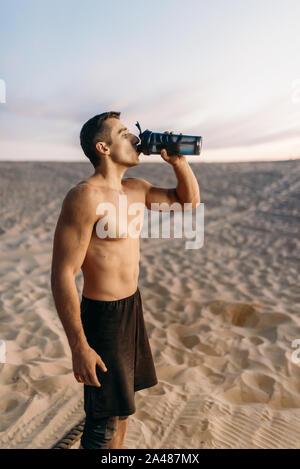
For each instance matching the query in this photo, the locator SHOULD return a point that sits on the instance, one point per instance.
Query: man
(106, 332)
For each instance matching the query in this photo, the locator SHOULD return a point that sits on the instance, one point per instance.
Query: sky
(225, 70)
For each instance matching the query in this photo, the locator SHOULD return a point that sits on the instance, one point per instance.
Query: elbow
(192, 205)
(187, 204)
(60, 275)
(54, 279)
(196, 203)
(197, 200)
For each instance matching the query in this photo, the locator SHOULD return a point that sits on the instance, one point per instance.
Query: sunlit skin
(110, 266)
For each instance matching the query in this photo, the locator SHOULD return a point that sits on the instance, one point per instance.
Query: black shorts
(116, 331)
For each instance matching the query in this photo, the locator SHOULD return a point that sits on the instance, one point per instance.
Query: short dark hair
(94, 131)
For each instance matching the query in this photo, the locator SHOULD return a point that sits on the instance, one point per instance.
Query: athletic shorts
(116, 331)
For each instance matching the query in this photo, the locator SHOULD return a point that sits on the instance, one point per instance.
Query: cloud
(188, 108)
(279, 119)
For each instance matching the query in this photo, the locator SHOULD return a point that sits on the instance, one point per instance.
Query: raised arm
(187, 189)
(71, 240)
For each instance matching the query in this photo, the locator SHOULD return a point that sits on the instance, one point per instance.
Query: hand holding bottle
(175, 145)
(172, 159)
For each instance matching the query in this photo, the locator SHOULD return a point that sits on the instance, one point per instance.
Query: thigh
(97, 434)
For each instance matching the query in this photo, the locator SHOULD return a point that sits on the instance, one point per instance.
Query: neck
(109, 174)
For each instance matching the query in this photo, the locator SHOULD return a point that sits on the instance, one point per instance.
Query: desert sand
(220, 319)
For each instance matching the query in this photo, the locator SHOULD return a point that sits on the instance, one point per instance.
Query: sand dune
(221, 319)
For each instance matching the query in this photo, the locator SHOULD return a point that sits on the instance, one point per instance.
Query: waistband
(113, 302)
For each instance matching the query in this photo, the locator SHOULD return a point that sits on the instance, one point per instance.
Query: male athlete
(106, 332)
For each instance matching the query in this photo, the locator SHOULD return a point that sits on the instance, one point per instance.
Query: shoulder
(138, 183)
(80, 194)
(80, 201)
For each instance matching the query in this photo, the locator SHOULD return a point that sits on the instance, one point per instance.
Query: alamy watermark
(188, 222)
(2, 91)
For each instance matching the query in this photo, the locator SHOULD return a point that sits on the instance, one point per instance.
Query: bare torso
(111, 265)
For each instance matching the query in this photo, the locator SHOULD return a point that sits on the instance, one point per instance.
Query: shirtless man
(110, 265)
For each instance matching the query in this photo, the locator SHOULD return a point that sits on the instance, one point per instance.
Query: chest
(120, 217)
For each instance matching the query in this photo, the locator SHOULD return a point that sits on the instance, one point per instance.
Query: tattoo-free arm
(71, 239)
(186, 191)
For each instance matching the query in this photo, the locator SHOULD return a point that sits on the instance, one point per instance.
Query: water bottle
(154, 142)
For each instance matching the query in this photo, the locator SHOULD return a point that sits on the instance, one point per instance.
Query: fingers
(101, 363)
(92, 379)
(85, 370)
(89, 378)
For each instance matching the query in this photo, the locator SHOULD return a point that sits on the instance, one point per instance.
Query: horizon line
(154, 162)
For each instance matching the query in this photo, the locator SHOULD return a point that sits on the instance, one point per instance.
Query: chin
(132, 162)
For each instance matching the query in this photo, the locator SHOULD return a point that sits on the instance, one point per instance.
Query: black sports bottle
(154, 142)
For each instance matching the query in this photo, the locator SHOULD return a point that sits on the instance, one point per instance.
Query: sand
(220, 319)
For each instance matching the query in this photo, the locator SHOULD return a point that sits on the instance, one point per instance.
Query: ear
(102, 147)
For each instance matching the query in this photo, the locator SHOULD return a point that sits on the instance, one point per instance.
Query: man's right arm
(71, 239)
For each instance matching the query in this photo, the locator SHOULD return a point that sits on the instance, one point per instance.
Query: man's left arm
(186, 191)
(187, 188)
